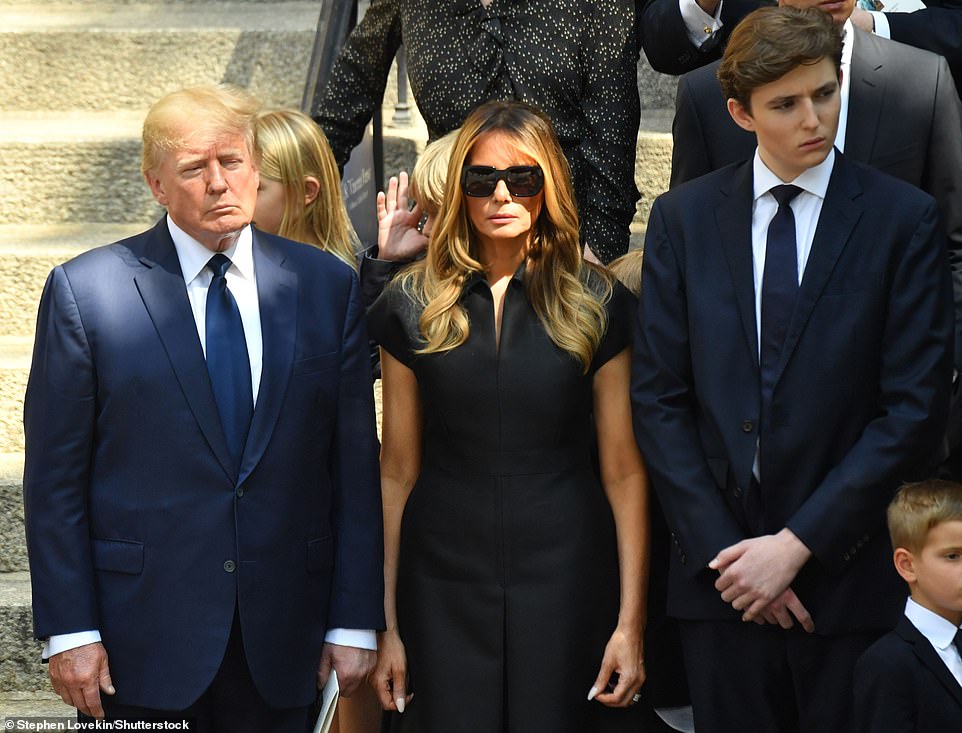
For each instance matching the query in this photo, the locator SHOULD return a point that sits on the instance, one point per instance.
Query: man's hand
(398, 238)
(863, 20)
(79, 675)
(755, 572)
(352, 665)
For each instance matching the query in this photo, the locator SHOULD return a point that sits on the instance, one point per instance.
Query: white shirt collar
(814, 180)
(939, 631)
(194, 256)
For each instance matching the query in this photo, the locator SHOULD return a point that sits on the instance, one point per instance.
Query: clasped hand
(755, 576)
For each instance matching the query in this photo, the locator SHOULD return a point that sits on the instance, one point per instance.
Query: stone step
(13, 549)
(131, 54)
(37, 705)
(14, 368)
(29, 252)
(20, 667)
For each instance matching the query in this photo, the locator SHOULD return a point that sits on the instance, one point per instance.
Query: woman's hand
(624, 656)
(398, 238)
(389, 678)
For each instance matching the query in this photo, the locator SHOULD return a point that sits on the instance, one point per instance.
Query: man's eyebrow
(779, 100)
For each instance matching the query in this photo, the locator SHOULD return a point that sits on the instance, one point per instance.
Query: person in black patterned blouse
(572, 59)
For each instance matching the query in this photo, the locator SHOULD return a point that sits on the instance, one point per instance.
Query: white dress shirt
(806, 207)
(242, 283)
(940, 632)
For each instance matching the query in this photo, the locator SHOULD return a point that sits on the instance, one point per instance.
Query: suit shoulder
(120, 254)
(903, 54)
(307, 257)
(881, 187)
(890, 655)
(698, 191)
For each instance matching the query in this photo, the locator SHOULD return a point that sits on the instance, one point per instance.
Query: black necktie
(227, 361)
(779, 291)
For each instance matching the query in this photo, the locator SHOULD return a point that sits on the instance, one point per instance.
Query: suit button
(748, 426)
(737, 491)
(683, 558)
(240, 491)
(229, 566)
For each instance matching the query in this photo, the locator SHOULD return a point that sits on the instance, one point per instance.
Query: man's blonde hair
(627, 270)
(213, 108)
(919, 507)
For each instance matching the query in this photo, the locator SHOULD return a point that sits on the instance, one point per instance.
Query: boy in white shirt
(911, 679)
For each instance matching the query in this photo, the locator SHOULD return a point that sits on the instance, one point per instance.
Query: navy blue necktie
(779, 291)
(958, 641)
(227, 360)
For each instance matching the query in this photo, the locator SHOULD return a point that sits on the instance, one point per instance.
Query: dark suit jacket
(664, 37)
(903, 686)
(137, 524)
(904, 118)
(860, 404)
(937, 29)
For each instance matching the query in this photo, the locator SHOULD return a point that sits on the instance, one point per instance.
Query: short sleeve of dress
(392, 321)
(621, 309)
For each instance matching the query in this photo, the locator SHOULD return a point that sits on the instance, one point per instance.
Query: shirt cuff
(700, 25)
(882, 28)
(358, 638)
(65, 642)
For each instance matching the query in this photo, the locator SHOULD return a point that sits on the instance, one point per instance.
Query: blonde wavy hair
(566, 294)
(292, 147)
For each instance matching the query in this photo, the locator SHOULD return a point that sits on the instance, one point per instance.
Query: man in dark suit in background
(201, 485)
(901, 114)
(681, 35)
(792, 365)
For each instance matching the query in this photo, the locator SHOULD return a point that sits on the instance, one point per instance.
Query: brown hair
(919, 507)
(770, 42)
(213, 109)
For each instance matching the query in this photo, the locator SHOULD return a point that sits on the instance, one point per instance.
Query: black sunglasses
(521, 180)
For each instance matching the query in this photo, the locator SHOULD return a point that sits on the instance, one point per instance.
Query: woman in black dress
(514, 603)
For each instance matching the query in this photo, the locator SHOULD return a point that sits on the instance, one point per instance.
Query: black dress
(508, 575)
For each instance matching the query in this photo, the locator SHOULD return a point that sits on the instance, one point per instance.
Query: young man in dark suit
(792, 365)
(901, 115)
(910, 680)
(201, 491)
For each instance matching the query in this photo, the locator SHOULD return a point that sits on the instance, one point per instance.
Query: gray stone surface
(35, 704)
(131, 55)
(20, 667)
(13, 550)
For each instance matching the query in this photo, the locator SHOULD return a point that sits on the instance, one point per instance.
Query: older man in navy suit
(792, 367)
(201, 491)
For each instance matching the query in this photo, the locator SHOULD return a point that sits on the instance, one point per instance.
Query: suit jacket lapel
(840, 212)
(927, 655)
(277, 299)
(865, 94)
(162, 289)
(735, 227)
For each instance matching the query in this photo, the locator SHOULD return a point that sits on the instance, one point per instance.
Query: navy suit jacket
(860, 402)
(138, 526)
(903, 686)
(904, 118)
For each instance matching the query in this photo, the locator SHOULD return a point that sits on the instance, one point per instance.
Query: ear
(904, 564)
(156, 187)
(312, 187)
(742, 116)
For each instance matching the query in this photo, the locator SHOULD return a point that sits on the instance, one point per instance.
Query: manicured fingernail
(400, 704)
(592, 692)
